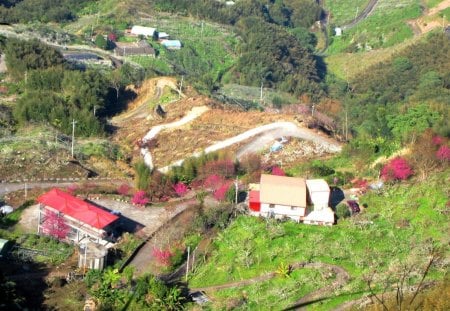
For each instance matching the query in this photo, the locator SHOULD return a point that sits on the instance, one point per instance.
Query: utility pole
(181, 87)
(346, 125)
(236, 190)
(261, 92)
(187, 262)
(73, 134)
(26, 190)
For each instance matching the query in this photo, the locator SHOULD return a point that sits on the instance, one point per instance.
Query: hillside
(172, 139)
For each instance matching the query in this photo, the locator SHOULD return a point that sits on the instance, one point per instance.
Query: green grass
(252, 246)
(272, 293)
(385, 27)
(343, 11)
(432, 3)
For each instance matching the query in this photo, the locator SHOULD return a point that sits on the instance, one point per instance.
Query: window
(271, 205)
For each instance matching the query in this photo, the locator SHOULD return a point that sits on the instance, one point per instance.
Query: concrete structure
(142, 31)
(92, 256)
(86, 221)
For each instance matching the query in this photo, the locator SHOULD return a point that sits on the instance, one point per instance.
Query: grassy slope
(348, 244)
(385, 27)
(344, 11)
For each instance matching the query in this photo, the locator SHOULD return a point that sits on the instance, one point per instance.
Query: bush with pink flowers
(397, 169)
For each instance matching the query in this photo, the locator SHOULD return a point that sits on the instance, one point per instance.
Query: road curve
(364, 13)
(271, 131)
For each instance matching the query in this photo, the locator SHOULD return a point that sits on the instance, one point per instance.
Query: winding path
(342, 277)
(364, 13)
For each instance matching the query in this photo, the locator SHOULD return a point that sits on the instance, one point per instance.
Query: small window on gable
(271, 205)
(293, 208)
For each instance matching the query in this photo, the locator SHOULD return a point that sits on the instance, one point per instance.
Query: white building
(282, 196)
(319, 193)
(141, 30)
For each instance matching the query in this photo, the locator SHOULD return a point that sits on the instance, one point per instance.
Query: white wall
(281, 211)
(320, 199)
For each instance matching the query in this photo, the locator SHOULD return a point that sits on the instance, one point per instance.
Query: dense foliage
(57, 96)
(405, 95)
(22, 56)
(24, 11)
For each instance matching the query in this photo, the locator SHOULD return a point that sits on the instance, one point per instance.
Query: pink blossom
(278, 171)
(397, 169)
(180, 189)
(443, 153)
(140, 198)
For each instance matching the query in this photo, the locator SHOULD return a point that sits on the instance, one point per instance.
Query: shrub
(140, 198)
(163, 256)
(250, 163)
(397, 169)
(278, 171)
(437, 140)
(123, 189)
(342, 211)
(443, 153)
(213, 182)
(221, 193)
(180, 189)
(223, 168)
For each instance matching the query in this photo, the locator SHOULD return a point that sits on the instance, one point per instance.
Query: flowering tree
(437, 140)
(278, 171)
(163, 256)
(55, 225)
(443, 153)
(180, 189)
(221, 193)
(213, 182)
(397, 169)
(123, 189)
(223, 168)
(140, 198)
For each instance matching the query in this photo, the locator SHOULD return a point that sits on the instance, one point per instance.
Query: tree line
(24, 11)
(53, 92)
(402, 97)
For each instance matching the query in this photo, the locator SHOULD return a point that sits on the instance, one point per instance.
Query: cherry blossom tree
(397, 169)
(278, 171)
(55, 225)
(123, 189)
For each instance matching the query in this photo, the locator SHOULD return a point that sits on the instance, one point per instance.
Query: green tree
(22, 56)
(101, 42)
(412, 122)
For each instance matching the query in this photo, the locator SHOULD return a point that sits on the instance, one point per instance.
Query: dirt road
(364, 13)
(269, 133)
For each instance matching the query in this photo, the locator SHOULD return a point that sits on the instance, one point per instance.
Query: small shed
(92, 256)
(143, 31)
(318, 192)
(338, 31)
(163, 36)
(254, 202)
(171, 44)
(324, 217)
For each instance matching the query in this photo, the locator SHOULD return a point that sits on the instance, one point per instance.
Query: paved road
(364, 13)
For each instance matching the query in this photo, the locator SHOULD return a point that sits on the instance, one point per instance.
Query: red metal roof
(77, 208)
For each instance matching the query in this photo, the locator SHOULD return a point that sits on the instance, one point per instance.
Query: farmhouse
(134, 48)
(84, 220)
(281, 197)
(142, 31)
(294, 198)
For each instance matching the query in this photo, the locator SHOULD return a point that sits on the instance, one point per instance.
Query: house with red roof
(84, 220)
